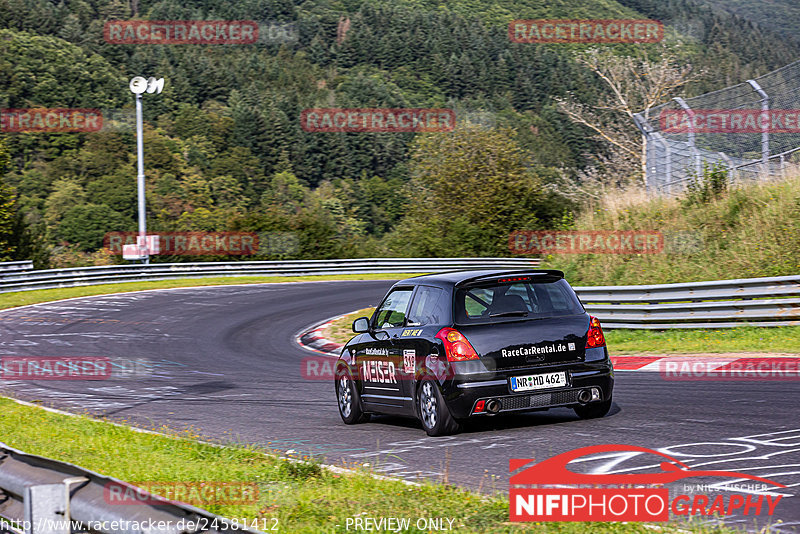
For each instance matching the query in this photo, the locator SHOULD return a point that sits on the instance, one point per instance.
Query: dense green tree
(8, 246)
(85, 225)
(224, 147)
(66, 195)
(469, 191)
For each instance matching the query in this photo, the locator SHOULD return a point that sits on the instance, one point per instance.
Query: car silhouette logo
(553, 471)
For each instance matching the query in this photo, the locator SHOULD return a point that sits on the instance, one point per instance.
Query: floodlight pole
(140, 175)
(138, 86)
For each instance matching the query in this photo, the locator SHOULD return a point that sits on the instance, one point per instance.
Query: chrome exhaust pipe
(492, 406)
(585, 396)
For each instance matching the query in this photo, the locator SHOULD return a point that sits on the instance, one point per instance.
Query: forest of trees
(223, 145)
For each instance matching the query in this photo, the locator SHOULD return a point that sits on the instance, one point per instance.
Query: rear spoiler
(546, 275)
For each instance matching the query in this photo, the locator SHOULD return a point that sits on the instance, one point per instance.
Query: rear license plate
(543, 381)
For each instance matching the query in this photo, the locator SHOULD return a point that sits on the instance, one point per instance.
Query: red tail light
(456, 346)
(595, 336)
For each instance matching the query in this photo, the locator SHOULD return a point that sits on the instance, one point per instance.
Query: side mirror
(361, 325)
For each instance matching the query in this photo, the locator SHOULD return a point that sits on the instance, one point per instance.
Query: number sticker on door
(409, 360)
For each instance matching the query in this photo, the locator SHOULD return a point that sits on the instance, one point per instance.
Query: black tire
(348, 399)
(433, 412)
(593, 410)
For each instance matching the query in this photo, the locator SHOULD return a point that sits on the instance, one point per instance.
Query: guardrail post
(47, 507)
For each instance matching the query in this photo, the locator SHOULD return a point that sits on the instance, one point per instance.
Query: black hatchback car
(450, 346)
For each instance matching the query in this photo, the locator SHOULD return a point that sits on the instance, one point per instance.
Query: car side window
(392, 312)
(429, 307)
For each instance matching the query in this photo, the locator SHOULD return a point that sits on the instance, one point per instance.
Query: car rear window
(514, 301)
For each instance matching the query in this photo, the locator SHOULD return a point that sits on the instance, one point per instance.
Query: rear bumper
(462, 394)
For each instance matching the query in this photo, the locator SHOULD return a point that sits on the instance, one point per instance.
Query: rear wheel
(433, 412)
(593, 410)
(348, 399)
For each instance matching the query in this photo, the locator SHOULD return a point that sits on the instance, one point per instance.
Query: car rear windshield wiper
(518, 313)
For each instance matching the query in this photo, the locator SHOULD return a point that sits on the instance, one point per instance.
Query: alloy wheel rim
(428, 405)
(345, 396)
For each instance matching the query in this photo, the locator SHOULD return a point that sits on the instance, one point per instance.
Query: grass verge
(303, 497)
(341, 330)
(782, 339)
(742, 339)
(748, 231)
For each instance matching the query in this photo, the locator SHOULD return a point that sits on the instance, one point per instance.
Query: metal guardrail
(43, 496)
(715, 304)
(718, 304)
(54, 278)
(15, 266)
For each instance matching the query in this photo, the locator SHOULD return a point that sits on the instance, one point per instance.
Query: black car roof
(449, 279)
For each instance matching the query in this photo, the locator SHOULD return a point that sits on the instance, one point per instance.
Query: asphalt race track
(224, 360)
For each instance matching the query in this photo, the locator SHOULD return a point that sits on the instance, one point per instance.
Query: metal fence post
(668, 162)
(691, 135)
(764, 121)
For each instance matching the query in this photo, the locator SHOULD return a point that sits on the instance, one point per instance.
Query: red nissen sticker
(730, 121)
(56, 368)
(180, 32)
(377, 120)
(194, 493)
(589, 504)
(50, 120)
(190, 243)
(757, 369)
(585, 242)
(585, 31)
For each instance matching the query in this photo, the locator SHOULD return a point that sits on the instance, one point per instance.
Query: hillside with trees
(224, 149)
(783, 16)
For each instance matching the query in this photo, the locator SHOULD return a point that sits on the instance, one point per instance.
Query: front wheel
(594, 410)
(433, 413)
(348, 399)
